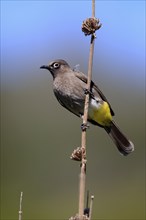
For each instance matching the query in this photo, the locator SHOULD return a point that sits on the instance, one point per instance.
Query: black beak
(45, 67)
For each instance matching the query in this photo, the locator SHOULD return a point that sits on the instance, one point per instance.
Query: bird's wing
(83, 77)
(65, 106)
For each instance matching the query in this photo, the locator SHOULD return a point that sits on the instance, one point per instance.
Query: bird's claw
(84, 126)
(87, 91)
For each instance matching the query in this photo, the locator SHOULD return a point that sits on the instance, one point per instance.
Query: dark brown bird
(69, 87)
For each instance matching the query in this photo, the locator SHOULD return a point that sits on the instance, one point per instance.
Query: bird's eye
(56, 65)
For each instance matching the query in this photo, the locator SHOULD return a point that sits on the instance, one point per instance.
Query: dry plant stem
(93, 8)
(20, 206)
(91, 205)
(83, 138)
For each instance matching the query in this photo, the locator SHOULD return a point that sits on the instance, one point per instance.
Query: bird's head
(56, 67)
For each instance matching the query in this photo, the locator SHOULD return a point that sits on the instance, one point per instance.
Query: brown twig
(85, 117)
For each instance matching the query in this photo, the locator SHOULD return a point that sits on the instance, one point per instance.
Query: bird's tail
(124, 145)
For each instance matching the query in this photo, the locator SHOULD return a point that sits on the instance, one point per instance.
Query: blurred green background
(38, 135)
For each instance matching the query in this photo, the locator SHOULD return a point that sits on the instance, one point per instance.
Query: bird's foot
(84, 126)
(87, 91)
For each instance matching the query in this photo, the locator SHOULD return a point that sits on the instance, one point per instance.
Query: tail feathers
(124, 145)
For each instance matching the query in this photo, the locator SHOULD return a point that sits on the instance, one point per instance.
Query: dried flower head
(77, 154)
(90, 25)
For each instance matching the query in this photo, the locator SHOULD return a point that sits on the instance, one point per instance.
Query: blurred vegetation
(38, 136)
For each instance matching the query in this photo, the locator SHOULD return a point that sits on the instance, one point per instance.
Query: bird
(70, 87)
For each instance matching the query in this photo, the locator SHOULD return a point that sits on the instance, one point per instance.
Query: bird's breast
(69, 86)
(70, 94)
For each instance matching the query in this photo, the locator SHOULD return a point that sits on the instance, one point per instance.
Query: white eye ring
(56, 65)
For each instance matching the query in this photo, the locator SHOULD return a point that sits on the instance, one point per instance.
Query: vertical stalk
(85, 117)
(20, 206)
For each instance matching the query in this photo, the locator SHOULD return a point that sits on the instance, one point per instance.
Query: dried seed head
(77, 154)
(90, 25)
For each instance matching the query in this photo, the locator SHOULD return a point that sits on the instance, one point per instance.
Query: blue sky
(33, 32)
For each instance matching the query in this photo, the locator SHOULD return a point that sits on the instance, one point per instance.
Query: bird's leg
(87, 91)
(84, 126)
(81, 115)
